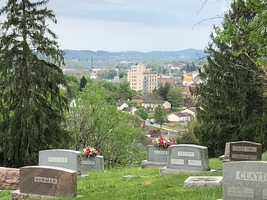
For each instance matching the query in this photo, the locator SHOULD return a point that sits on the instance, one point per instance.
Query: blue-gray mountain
(87, 58)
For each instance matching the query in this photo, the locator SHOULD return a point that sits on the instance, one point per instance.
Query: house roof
(137, 97)
(185, 114)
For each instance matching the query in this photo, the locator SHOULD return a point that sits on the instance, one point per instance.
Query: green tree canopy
(174, 96)
(160, 115)
(233, 101)
(114, 133)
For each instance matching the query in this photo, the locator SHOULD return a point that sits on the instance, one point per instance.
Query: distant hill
(87, 58)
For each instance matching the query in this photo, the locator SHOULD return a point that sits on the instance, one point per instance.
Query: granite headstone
(41, 181)
(245, 180)
(245, 150)
(186, 158)
(65, 158)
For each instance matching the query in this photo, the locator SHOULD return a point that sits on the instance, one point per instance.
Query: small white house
(152, 105)
(180, 117)
(121, 106)
(191, 110)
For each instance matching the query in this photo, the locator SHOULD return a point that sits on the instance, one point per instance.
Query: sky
(135, 25)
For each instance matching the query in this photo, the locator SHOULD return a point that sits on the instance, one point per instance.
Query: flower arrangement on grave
(162, 142)
(89, 152)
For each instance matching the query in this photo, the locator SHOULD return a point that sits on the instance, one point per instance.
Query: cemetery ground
(134, 183)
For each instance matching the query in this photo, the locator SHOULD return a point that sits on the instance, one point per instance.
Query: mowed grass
(136, 183)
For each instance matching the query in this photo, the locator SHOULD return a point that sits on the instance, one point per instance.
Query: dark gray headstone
(48, 181)
(156, 154)
(246, 180)
(245, 150)
(95, 163)
(65, 158)
(155, 157)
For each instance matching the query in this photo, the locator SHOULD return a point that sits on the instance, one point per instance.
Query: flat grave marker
(202, 181)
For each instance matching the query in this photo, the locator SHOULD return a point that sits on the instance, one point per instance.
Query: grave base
(145, 164)
(17, 195)
(203, 181)
(167, 171)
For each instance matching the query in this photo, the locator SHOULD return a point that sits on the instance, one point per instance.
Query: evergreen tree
(233, 105)
(31, 105)
(83, 82)
(164, 89)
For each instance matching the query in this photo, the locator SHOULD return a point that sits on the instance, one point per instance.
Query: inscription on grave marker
(245, 180)
(39, 179)
(186, 153)
(240, 192)
(58, 159)
(88, 162)
(160, 152)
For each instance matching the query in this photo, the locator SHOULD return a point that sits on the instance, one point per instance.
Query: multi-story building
(163, 79)
(142, 78)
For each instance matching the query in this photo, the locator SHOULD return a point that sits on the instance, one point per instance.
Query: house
(121, 105)
(130, 110)
(138, 99)
(151, 105)
(190, 110)
(180, 117)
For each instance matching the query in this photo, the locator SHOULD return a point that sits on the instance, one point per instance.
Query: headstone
(202, 181)
(9, 178)
(226, 155)
(244, 150)
(245, 180)
(155, 157)
(65, 158)
(186, 158)
(95, 163)
(46, 181)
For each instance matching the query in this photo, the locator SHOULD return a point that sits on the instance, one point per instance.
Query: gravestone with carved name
(45, 182)
(186, 158)
(95, 163)
(245, 150)
(155, 156)
(245, 180)
(65, 158)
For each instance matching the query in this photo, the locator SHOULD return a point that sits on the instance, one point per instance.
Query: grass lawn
(136, 183)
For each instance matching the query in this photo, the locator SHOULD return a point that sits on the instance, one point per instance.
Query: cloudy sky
(139, 25)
